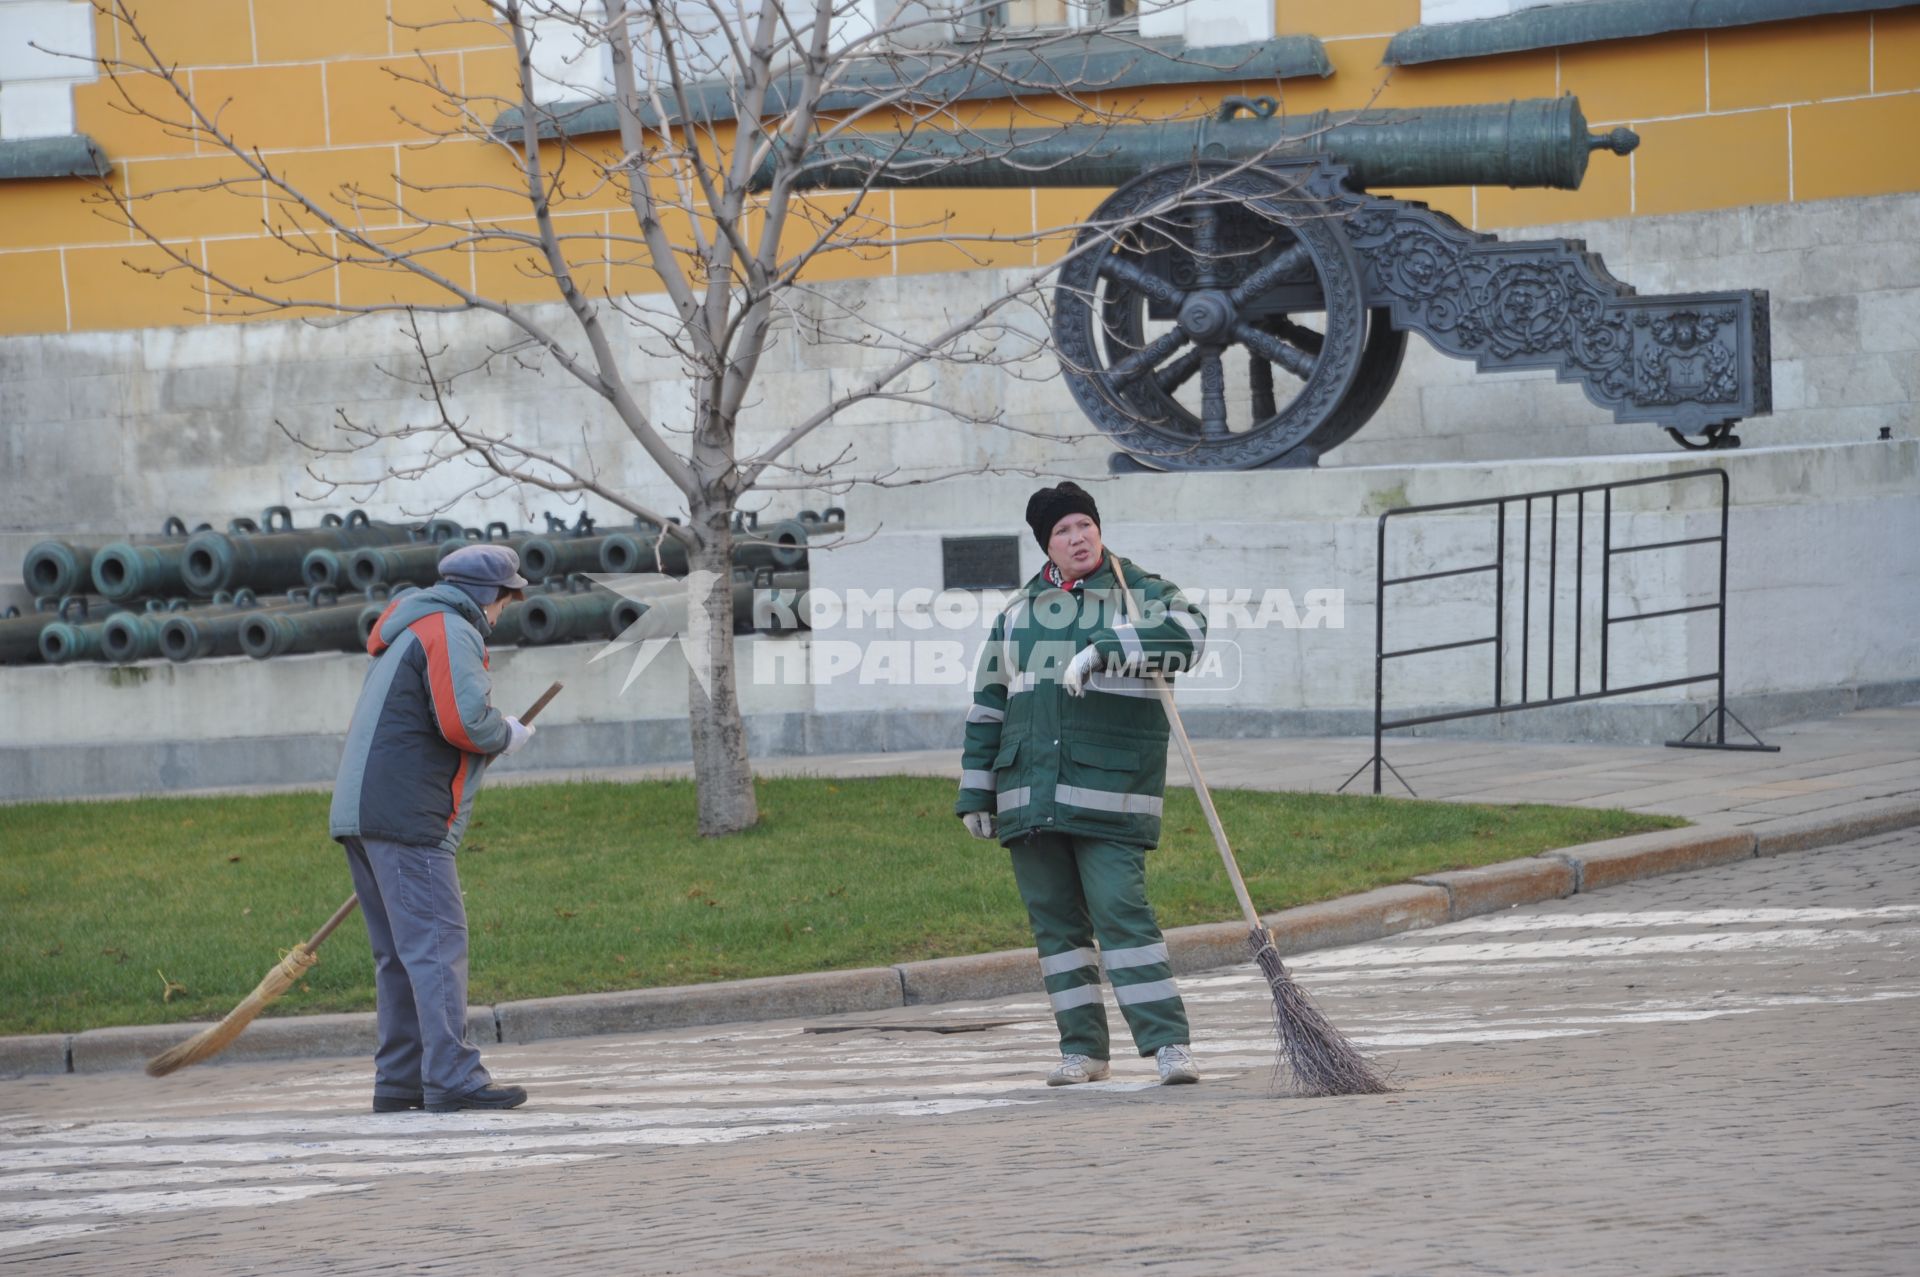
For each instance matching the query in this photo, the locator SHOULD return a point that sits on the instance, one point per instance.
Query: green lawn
(171, 909)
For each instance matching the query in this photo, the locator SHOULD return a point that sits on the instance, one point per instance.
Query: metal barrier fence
(1501, 642)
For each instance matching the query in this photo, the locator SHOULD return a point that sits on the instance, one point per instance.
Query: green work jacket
(1096, 764)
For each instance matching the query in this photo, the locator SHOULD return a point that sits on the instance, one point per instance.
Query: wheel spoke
(1120, 270)
(1267, 276)
(1177, 373)
(1260, 374)
(1295, 334)
(1213, 394)
(1148, 356)
(1298, 362)
(1206, 245)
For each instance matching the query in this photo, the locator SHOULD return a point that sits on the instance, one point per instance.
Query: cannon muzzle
(1529, 143)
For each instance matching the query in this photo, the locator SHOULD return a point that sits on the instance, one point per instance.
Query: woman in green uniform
(1065, 762)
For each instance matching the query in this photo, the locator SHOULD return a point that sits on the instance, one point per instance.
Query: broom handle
(340, 915)
(1193, 769)
(326, 928)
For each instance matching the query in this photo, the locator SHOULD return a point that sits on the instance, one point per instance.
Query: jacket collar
(416, 604)
(1047, 578)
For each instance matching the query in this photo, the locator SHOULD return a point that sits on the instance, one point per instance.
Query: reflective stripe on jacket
(423, 729)
(1094, 764)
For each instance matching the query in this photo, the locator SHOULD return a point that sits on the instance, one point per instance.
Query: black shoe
(396, 1103)
(489, 1096)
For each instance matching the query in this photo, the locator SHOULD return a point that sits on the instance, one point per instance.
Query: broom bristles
(1319, 1058)
(216, 1038)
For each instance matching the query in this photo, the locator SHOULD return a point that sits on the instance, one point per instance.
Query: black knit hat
(1048, 506)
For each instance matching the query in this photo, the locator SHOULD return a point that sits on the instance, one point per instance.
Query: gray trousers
(417, 925)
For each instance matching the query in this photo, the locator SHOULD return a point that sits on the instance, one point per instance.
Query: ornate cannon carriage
(1242, 300)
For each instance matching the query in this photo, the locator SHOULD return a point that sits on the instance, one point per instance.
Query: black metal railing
(1500, 641)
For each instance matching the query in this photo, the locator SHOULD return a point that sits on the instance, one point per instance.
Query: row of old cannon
(344, 590)
(570, 610)
(357, 553)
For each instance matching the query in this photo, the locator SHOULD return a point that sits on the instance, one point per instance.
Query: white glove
(979, 823)
(518, 734)
(1078, 668)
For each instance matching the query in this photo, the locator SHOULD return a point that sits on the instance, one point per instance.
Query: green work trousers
(1076, 889)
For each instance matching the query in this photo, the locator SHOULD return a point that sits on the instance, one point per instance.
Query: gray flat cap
(495, 565)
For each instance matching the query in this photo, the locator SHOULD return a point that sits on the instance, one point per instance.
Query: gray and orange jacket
(423, 729)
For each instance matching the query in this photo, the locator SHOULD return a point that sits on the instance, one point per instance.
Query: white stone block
(58, 29)
(36, 108)
(1435, 12)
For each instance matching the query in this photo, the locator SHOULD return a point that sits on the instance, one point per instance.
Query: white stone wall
(1823, 579)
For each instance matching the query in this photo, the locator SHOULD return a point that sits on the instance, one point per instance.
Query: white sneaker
(1176, 1065)
(1078, 1068)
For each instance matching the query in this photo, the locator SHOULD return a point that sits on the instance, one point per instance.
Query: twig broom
(1319, 1059)
(216, 1038)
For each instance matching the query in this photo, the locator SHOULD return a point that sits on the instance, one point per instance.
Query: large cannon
(1242, 301)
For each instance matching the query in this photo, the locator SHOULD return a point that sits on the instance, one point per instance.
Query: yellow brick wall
(341, 97)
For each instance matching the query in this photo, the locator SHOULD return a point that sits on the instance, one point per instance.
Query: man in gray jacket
(423, 732)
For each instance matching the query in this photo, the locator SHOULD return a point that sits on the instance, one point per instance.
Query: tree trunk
(720, 769)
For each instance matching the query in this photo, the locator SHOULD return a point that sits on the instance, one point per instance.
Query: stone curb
(682, 1006)
(1605, 864)
(1862, 820)
(1488, 888)
(35, 1053)
(1426, 901)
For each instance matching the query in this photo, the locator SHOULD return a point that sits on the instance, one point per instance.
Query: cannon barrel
(418, 563)
(635, 552)
(273, 560)
(213, 630)
(1533, 142)
(20, 637)
(287, 631)
(62, 642)
(780, 602)
(778, 545)
(555, 555)
(64, 565)
(568, 618)
(131, 636)
(126, 570)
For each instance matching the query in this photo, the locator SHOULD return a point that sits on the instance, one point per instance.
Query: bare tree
(729, 113)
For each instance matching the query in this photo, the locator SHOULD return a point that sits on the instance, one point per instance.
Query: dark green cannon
(782, 545)
(127, 569)
(322, 626)
(396, 564)
(643, 551)
(273, 559)
(1531, 143)
(135, 636)
(582, 612)
(213, 630)
(1241, 301)
(828, 523)
(75, 632)
(419, 563)
(20, 637)
(780, 602)
(64, 565)
(549, 556)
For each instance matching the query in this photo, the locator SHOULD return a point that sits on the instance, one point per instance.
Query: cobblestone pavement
(1712, 1073)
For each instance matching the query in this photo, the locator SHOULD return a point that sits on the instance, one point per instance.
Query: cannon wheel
(1193, 269)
